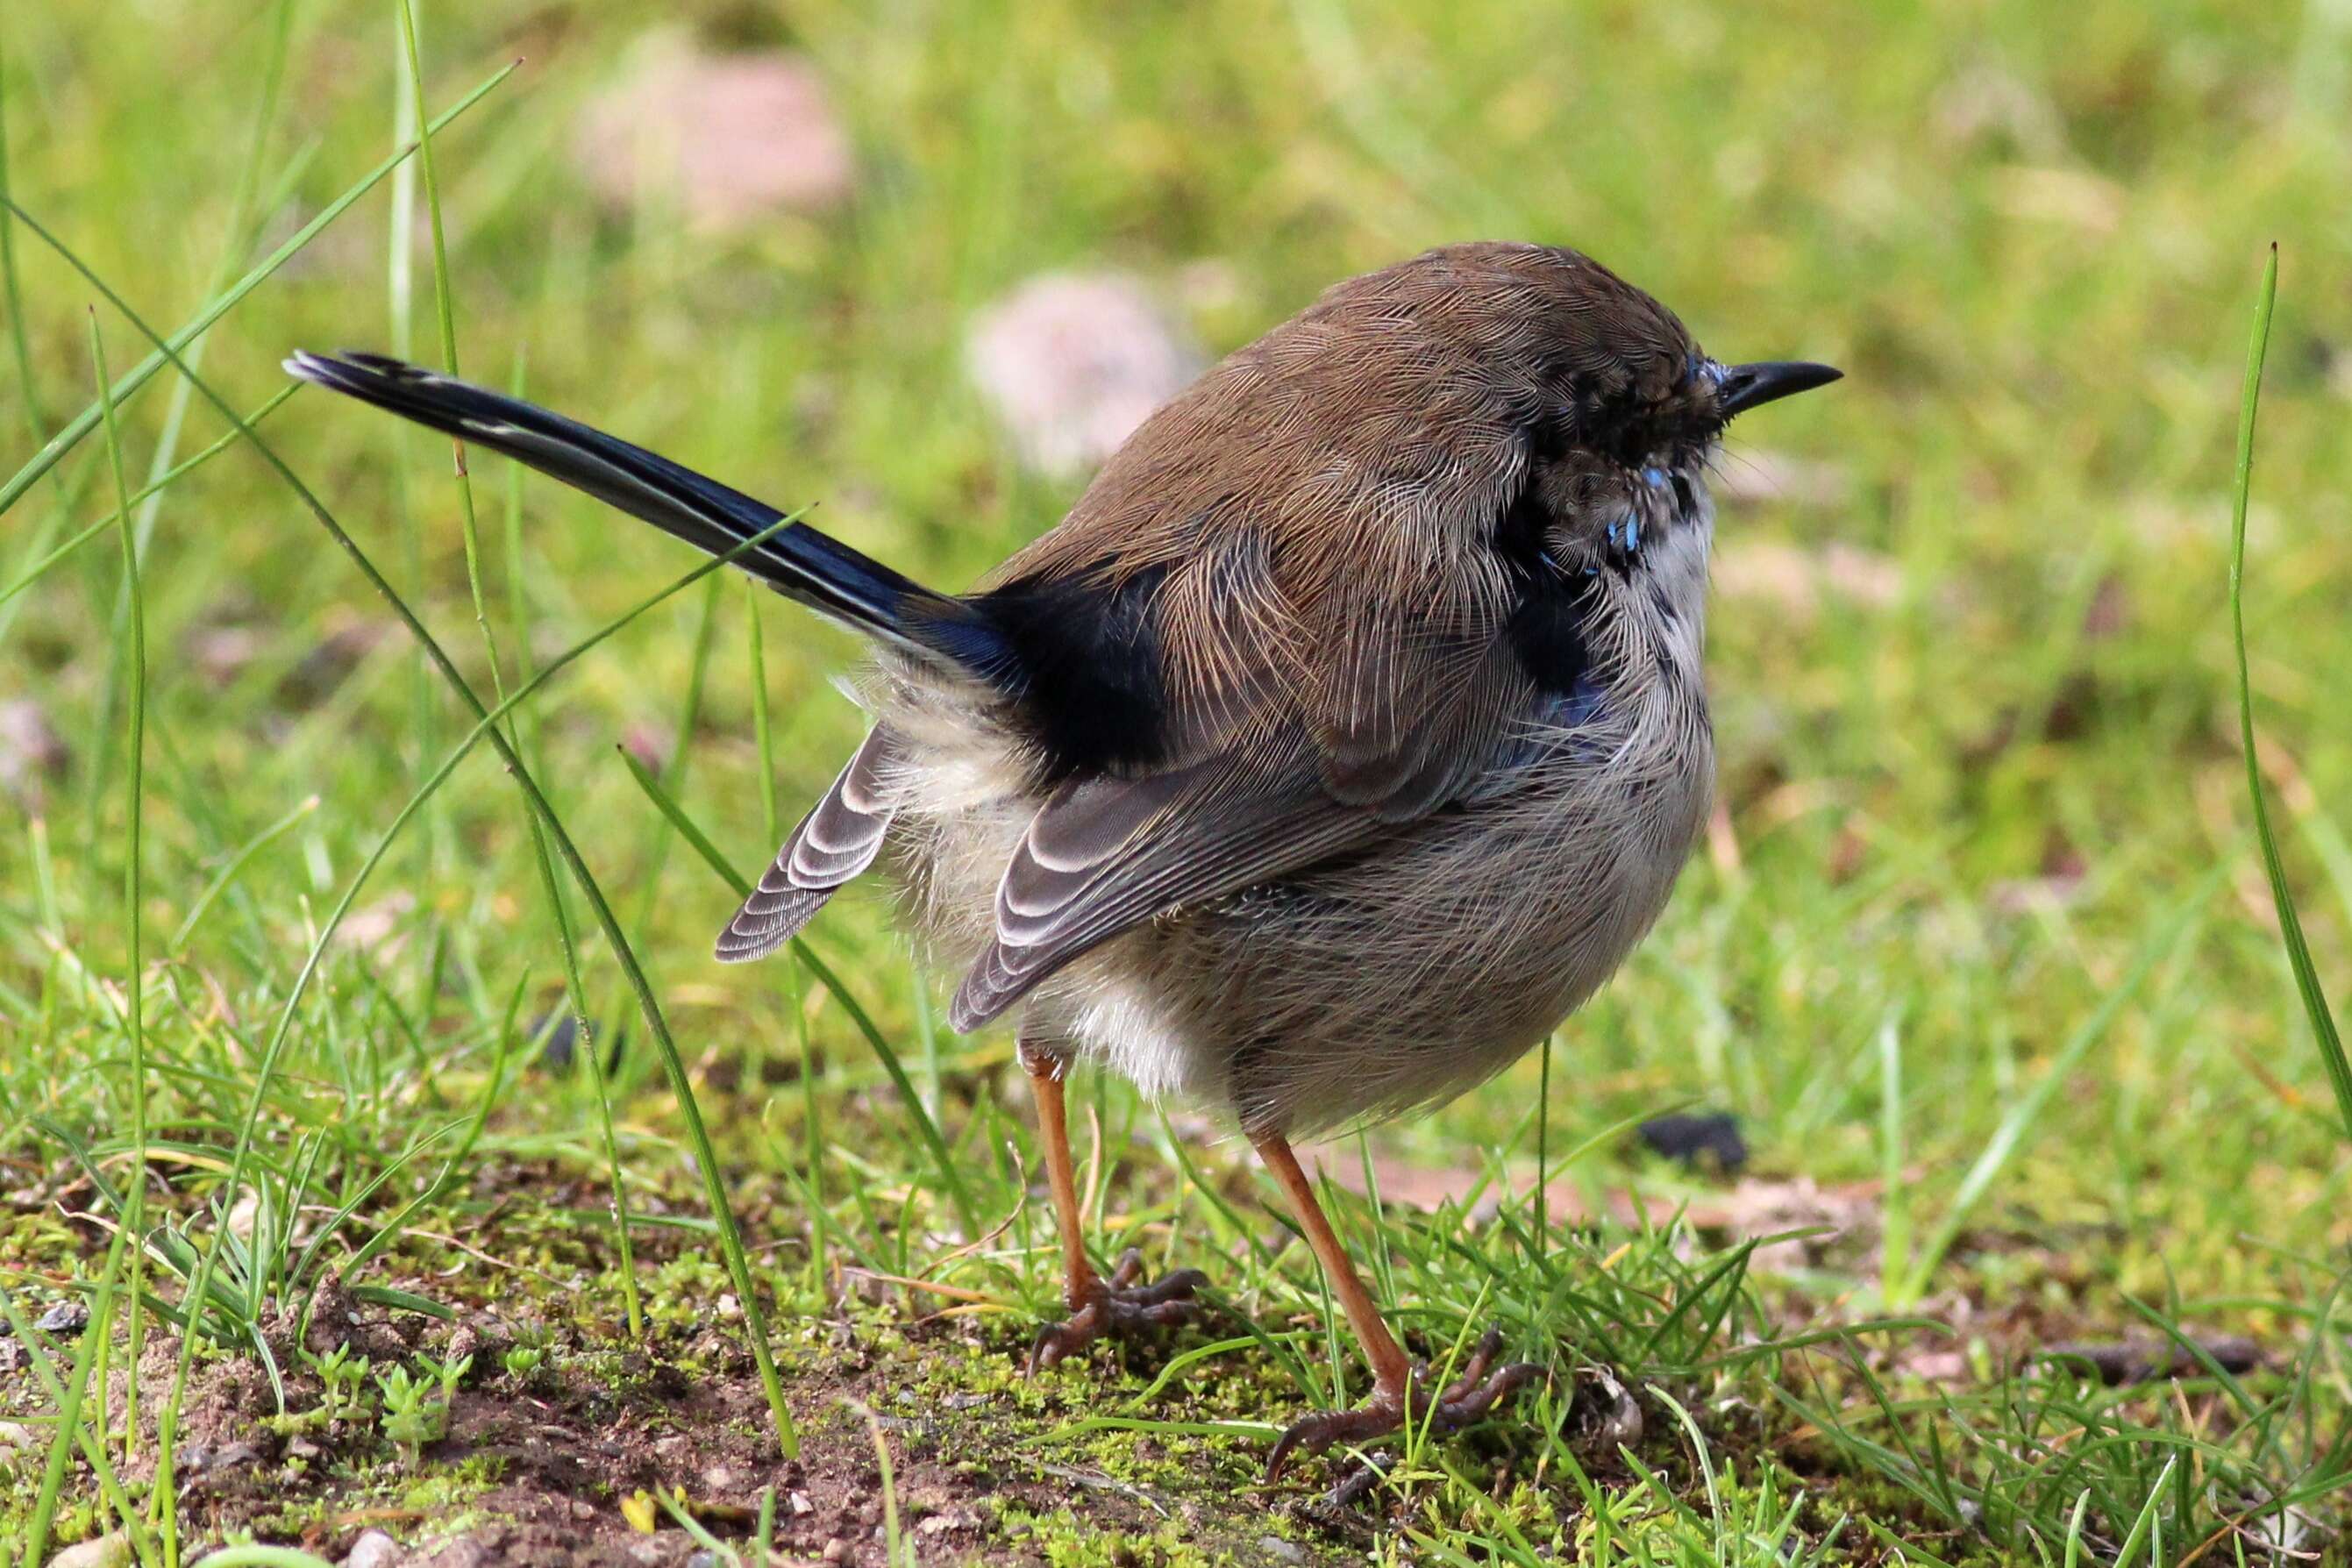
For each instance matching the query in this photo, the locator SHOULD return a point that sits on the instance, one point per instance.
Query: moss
(1066, 1538)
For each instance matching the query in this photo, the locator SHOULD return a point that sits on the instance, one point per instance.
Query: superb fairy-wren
(1340, 742)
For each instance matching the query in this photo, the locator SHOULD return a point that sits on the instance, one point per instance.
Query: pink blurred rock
(730, 138)
(31, 749)
(1072, 364)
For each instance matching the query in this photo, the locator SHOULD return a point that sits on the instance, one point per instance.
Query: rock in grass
(1698, 1139)
(728, 139)
(562, 1047)
(105, 1552)
(374, 1549)
(1072, 364)
(65, 1318)
(32, 753)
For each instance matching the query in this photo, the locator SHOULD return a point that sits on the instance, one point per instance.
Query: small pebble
(1072, 364)
(31, 749)
(105, 1552)
(374, 1549)
(65, 1318)
(836, 1550)
(1281, 1550)
(729, 139)
(1698, 1139)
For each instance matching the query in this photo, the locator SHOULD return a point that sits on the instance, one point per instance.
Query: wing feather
(1105, 854)
(834, 843)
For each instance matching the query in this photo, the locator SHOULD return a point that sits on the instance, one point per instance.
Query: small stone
(563, 1043)
(1071, 364)
(1281, 1550)
(836, 1550)
(65, 1318)
(1610, 1420)
(728, 137)
(205, 1458)
(374, 1549)
(222, 653)
(106, 1552)
(719, 1480)
(31, 749)
(1698, 1139)
(14, 1357)
(582, 1508)
(465, 1551)
(800, 1505)
(954, 1519)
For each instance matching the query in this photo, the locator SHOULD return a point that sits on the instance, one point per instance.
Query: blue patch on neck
(1581, 704)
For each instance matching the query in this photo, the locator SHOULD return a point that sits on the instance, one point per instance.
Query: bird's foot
(1120, 1306)
(1467, 1400)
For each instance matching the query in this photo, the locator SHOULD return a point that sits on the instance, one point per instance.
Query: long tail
(797, 561)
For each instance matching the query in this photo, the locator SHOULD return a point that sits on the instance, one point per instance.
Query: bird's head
(1620, 408)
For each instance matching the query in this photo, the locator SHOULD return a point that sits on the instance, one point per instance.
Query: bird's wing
(1106, 854)
(1103, 855)
(835, 841)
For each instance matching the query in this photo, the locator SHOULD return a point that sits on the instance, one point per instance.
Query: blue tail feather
(798, 561)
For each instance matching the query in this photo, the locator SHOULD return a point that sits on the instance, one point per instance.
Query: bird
(1341, 740)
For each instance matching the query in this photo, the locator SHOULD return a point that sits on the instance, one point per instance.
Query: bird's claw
(1467, 1400)
(1120, 1307)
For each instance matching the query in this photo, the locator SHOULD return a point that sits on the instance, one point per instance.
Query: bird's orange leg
(1396, 1389)
(1120, 1304)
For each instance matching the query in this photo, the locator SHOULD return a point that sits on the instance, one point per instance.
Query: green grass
(1993, 945)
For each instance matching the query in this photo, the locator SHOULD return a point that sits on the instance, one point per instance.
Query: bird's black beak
(1746, 386)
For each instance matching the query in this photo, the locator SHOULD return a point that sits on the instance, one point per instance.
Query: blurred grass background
(1970, 653)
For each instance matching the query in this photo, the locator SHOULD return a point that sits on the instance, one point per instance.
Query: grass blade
(2298, 951)
(134, 1217)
